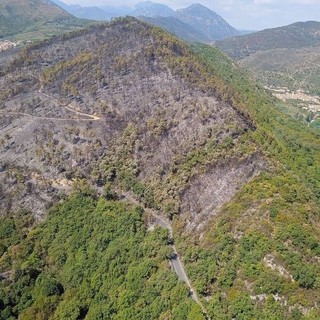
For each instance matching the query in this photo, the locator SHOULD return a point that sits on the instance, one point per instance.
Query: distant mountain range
(280, 57)
(93, 13)
(196, 23)
(211, 25)
(296, 35)
(178, 28)
(151, 9)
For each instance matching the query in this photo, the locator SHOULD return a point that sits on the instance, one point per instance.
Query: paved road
(178, 268)
(175, 261)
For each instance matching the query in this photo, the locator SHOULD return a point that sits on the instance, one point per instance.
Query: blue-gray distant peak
(198, 8)
(151, 9)
(93, 13)
(213, 26)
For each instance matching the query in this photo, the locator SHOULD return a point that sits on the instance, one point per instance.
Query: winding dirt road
(86, 116)
(90, 116)
(44, 118)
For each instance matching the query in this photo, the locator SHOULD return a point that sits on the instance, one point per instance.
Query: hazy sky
(242, 14)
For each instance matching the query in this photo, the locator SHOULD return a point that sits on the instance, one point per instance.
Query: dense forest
(94, 259)
(203, 144)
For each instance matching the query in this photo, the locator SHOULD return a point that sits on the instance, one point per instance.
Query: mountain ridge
(212, 25)
(151, 9)
(177, 28)
(94, 13)
(296, 35)
(126, 107)
(284, 58)
(201, 23)
(36, 18)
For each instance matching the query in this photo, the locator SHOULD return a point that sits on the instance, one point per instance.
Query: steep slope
(131, 109)
(263, 245)
(62, 86)
(34, 19)
(206, 21)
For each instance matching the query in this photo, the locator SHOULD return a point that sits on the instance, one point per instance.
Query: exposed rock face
(207, 192)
